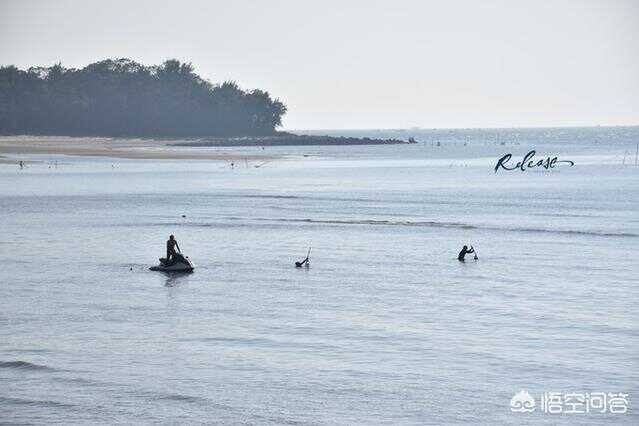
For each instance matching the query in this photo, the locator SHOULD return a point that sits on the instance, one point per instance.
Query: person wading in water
(464, 251)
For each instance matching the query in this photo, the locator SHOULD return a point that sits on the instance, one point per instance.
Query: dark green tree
(120, 97)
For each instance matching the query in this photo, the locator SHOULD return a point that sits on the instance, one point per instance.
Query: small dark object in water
(305, 261)
(183, 215)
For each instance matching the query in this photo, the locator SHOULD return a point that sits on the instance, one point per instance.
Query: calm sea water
(386, 326)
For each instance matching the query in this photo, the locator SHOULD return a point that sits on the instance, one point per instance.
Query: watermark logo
(571, 403)
(530, 162)
(522, 402)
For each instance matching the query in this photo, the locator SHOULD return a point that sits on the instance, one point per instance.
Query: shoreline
(168, 149)
(132, 149)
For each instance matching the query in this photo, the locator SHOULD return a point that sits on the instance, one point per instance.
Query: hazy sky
(366, 64)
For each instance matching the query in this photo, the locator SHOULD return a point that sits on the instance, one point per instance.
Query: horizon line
(460, 128)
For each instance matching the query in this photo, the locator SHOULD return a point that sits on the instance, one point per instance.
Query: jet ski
(178, 263)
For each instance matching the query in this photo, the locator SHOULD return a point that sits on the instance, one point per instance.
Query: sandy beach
(151, 149)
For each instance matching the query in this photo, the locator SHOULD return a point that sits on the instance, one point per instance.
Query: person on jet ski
(171, 245)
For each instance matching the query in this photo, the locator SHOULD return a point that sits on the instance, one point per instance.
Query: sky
(358, 64)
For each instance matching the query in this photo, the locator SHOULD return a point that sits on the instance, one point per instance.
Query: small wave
(385, 223)
(374, 222)
(80, 381)
(176, 397)
(562, 215)
(41, 403)
(24, 365)
(26, 351)
(257, 341)
(183, 398)
(458, 225)
(149, 394)
(277, 197)
(240, 340)
(573, 232)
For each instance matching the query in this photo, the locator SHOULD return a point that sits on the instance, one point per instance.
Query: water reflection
(175, 278)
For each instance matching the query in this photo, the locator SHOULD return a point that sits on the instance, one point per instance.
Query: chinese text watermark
(571, 403)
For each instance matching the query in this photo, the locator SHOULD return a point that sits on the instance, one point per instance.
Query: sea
(386, 326)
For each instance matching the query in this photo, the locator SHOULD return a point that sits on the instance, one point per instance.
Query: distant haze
(366, 64)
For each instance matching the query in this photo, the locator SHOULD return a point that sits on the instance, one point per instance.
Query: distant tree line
(124, 98)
